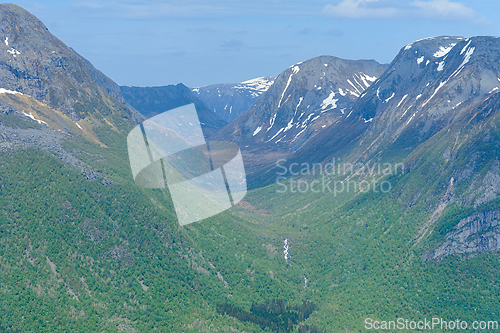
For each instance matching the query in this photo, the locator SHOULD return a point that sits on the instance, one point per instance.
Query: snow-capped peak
(260, 84)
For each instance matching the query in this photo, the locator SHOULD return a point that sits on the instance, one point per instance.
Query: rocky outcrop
(477, 233)
(36, 63)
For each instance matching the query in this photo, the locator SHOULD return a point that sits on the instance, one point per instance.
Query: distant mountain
(304, 100)
(151, 101)
(229, 101)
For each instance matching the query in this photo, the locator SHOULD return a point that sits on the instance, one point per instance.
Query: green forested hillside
(106, 255)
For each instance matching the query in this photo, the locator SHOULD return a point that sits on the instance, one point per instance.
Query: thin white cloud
(443, 8)
(417, 9)
(358, 9)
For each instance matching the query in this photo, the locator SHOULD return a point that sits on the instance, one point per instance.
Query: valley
(407, 226)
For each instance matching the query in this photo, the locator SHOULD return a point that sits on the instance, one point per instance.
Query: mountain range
(151, 101)
(374, 195)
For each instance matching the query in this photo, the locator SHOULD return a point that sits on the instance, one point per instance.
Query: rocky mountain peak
(36, 63)
(303, 99)
(430, 84)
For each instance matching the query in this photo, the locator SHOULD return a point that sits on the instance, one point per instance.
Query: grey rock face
(230, 100)
(477, 233)
(45, 138)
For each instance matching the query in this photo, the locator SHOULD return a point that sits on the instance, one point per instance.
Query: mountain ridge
(150, 101)
(84, 249)
(230, 100)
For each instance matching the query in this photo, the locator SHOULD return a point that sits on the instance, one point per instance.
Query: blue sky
(201, 42)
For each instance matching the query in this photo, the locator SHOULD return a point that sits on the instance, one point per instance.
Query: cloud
(417, 9)
(444, 8)
(358, 9)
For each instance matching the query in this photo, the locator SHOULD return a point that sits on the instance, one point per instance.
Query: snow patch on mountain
(389, 98)
(257, 130)
(14, 52)
(30, 115)
(260, 84)
(271, 122)
(6, 91)
(441, 66)
(467, 56)
(435, 92)
(300, 102)
(402, 99)
(329, 101)
(465, 47)
(444, 50)
(295, 70)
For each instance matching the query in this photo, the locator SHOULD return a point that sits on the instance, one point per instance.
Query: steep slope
(35, 63)
(151, 101)
(228, 100)
(49, 94)
(430, 84)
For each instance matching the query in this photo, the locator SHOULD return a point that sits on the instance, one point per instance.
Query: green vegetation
(273, 314)
(106, 255)
(13, 121)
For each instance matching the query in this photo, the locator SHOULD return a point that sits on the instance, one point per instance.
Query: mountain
(303, 100)
(50, 95)
(393, 212)
(36, 63)
(431, 84)
(83, 248)
(228, 100)
(151, 101)
(435, 110)
(386, 214)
